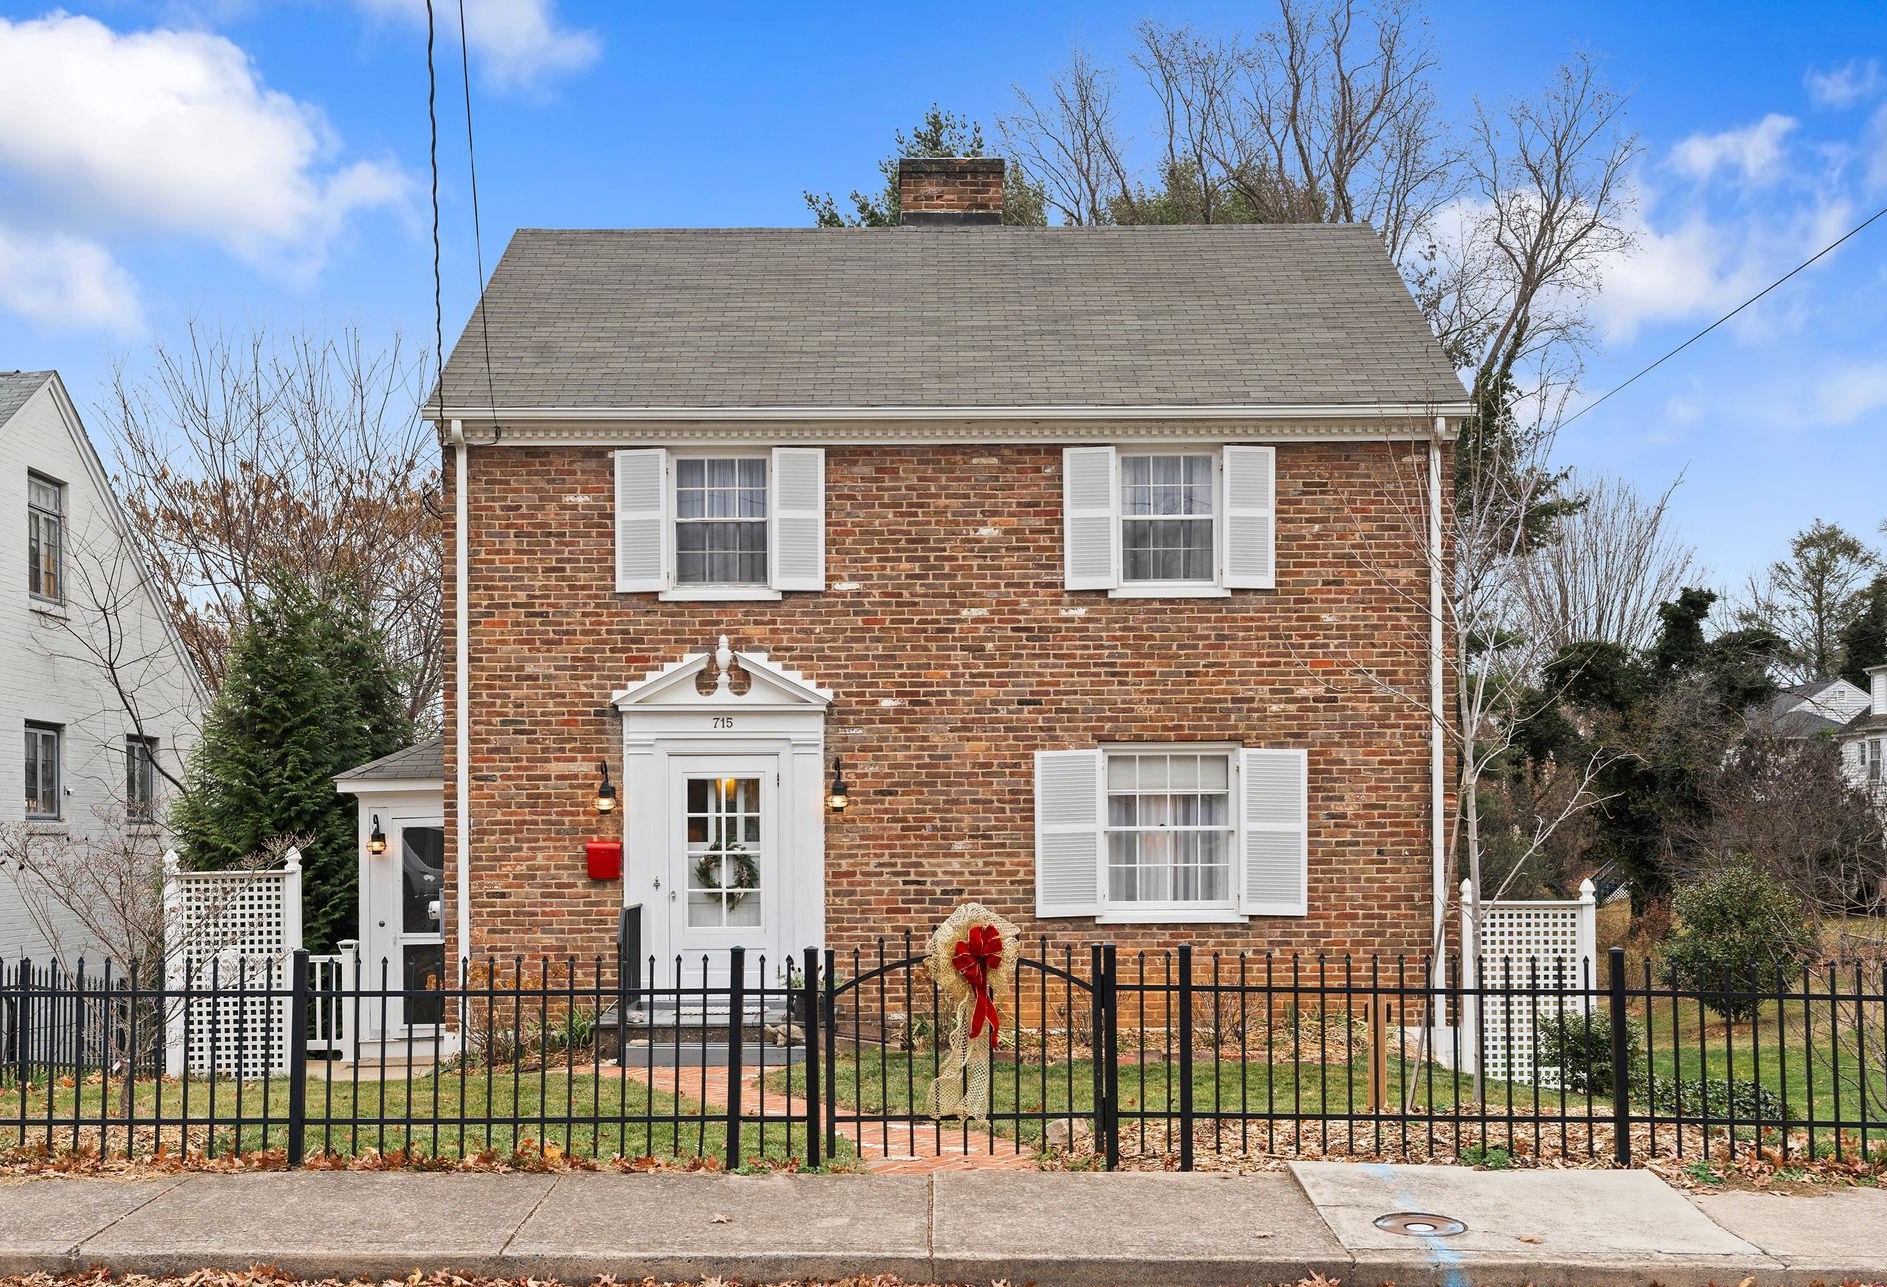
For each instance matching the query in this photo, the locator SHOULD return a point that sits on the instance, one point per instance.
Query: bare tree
(1070, 138)
(1609, 565)
(242, 456)
(106, 891)
(114, 629)
(1327, 115)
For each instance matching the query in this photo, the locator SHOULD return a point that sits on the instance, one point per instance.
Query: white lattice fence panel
(1540, 955)
(231, 936)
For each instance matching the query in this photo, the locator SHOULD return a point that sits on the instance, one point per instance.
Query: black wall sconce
(376, 839)
(605, 801)
(840, 797)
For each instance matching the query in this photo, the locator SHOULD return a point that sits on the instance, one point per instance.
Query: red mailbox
(605, 858)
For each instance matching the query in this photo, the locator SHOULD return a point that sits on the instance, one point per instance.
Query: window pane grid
(1167, 519)
(722, 817)
(720, 521)
(42, 771)
(1169, 832)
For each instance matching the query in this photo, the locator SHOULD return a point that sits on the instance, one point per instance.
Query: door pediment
(723, 679)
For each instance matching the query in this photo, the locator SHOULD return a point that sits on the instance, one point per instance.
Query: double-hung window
(140, 778)
(1167, 535)
(1151, 522)
(721, 520)
(1171, 833)
(45, 538)
(42, 771)
(1169, 829)
(720, 524)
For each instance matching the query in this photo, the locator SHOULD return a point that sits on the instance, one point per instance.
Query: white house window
(1169, 830)
(720, 525)
(1171, 833)
(140, 778)
(1151, 523)
(42, 770)
(45, 538)
(1874, 747)
(721, 521)
(1166, 529)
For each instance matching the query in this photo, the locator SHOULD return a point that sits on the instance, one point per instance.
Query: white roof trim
(1230, 411)
(344, 785)
(676, 680)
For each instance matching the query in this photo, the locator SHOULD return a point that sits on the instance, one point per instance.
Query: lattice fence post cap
(292, 859)
(172, 863)
(1587, 890)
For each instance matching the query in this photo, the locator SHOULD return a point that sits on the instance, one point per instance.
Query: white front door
(726, 862)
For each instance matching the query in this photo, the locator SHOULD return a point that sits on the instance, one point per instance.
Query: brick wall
(954, 657)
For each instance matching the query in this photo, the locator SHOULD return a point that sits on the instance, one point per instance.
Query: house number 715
(723, 721)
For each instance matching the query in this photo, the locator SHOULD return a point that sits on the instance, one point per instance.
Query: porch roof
(422, 762)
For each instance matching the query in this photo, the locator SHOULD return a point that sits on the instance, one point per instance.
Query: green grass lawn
(584, 1114)
(896, 1083)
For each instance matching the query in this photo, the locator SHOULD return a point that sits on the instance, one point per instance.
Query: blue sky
(283, 182)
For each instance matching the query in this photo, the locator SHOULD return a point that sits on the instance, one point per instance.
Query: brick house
(1094, 560)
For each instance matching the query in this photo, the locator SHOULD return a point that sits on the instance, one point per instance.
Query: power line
(478, 233)
(1727, 316)
(438, 304)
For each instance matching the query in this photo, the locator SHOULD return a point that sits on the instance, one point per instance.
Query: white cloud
(1848, 393)
(61, 282)
(515, 44)
(1844, 86)
(173, 132)
(1756, 150)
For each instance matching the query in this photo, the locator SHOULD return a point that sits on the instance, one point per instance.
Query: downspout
(1437, 744)
(461, 686)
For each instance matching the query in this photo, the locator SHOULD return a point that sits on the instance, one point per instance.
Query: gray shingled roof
(425, 759)
(1226, 315)
(16, 387)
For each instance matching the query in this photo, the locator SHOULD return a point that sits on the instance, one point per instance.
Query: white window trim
(1224, 912)
(720, 593)
(1213, 589)
(58, 734)
(1170, 590)
(731, 591)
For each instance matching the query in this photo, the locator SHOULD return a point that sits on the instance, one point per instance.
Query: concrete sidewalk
(1548, 1228)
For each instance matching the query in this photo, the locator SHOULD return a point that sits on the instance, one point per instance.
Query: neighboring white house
(95, 685)
(1819, 708)
(1864, 740)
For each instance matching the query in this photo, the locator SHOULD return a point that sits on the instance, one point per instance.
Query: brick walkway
(886, 1148)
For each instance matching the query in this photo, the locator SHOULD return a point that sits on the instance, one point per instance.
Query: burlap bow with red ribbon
(978, 956)
(969, 958)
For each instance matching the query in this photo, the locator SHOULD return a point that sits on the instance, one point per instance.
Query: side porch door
(404, 943)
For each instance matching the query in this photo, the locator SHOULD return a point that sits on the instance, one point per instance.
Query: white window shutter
(644, 533)
(796, 522)
(1274, 832)
(1250, 517)
(1067, 833)
(1090, 516)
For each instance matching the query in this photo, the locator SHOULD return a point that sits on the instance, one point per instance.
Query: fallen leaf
(1527, 1237)
(718, 1218)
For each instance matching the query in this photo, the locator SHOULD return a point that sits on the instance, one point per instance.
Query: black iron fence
(1163, 1059)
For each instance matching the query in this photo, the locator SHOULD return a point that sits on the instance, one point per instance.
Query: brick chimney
(950, 191)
